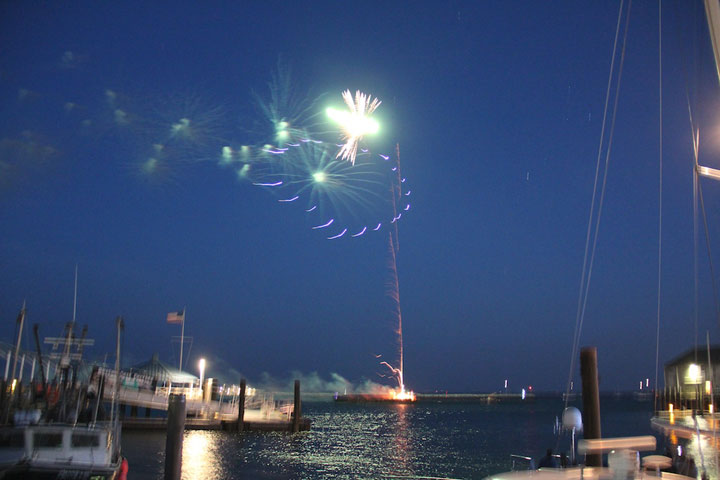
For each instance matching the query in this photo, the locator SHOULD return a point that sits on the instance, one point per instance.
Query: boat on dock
(56, 430)
(60, 450)
(623, 460)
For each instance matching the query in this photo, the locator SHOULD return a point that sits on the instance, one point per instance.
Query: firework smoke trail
(393, 284)
(356, 123)
(393, 291)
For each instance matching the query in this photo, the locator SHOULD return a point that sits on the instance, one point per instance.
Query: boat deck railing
(521, 462)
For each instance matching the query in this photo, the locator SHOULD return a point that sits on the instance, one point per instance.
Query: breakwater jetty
(439, 398)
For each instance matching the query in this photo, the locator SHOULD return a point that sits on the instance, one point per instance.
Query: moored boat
(58, 450)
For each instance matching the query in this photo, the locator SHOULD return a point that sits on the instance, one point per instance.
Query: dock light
(708, 387)
(670, 407)
(694, 373)
(711, 409)
(201, 366)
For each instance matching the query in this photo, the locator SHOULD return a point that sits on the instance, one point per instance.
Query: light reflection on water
(200, 455)
(381, 440)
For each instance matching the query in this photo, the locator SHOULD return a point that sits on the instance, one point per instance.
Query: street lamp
(201, 366)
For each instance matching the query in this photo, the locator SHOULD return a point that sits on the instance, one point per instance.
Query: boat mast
(182, 337)
(116, 388)
(712, 12)
(21, 321)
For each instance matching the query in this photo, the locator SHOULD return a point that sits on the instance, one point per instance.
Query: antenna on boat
(113, 413)
(75, 297)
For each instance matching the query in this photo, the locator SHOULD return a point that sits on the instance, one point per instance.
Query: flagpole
(182, 337)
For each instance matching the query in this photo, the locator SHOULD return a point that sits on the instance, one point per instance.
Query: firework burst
(356, 123)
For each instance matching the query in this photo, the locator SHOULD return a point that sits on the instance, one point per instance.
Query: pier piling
(297, 411)
(591, 401)
(241, 407)
(174, 441)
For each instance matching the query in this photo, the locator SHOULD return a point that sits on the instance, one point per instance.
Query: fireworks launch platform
(439, 398)
(370, 398)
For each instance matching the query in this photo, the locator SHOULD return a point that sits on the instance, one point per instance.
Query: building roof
(155, 368)
(702, 356)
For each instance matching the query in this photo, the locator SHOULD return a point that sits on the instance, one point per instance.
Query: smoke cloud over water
(311, 382)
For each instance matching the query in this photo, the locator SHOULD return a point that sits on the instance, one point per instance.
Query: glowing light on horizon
(356, 123)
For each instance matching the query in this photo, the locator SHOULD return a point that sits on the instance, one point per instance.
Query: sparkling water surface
(449, 440)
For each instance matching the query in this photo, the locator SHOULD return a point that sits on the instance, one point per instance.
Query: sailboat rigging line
(707, 244)
(697, 194)
(696, 236)
(587, 265)
(660, 205)
(696, 140)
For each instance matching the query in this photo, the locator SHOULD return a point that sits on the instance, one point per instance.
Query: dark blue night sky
(497, 108)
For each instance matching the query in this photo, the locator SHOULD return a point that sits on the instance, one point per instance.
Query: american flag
(176, 317)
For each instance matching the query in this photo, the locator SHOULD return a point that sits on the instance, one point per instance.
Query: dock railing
(261, 406)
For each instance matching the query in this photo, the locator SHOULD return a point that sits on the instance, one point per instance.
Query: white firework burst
(355, 123)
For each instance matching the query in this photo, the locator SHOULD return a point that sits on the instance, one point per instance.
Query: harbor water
(381, 440)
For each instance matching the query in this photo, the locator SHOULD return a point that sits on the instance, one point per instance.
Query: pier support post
(174, 442)
(241, 407)
(591, 401)
(297, 411)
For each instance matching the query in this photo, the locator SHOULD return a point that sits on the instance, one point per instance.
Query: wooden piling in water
(174, 441)
(591, 401)
(241, 407)
(297, 411)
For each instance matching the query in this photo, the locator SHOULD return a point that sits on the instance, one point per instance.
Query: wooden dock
(201, 414)
(140, 423)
